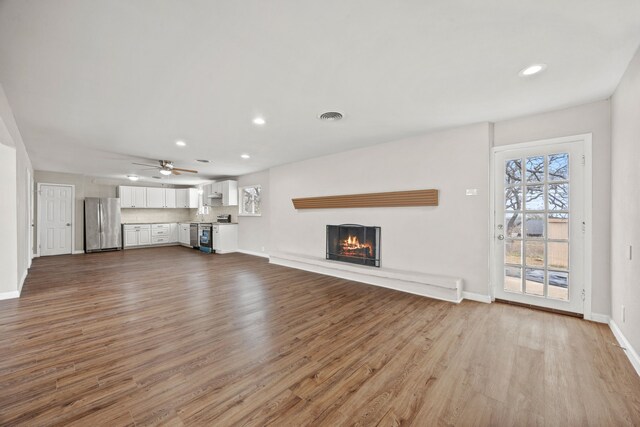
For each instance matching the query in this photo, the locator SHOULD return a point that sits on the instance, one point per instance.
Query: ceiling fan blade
(185, 170)
(148, 169)
(175, 172)
(145, 164)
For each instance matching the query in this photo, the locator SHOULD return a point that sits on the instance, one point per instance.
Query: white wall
(8, 219)
(450, 239)
(15, 255)
(594, 118)
(253, 231)
(625, 203)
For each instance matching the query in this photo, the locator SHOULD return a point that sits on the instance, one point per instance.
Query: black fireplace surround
(354, 243)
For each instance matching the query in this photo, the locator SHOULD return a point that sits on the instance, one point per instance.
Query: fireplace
(357, 244)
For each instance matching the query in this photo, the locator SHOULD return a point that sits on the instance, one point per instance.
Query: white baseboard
(9, 295)
(624, 343)
(599, 318)
(22, 279)
(432, 286)
(78, 252)
(472, 296)
(254, 253)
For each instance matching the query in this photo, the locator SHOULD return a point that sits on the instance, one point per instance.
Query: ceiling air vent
(330, 116)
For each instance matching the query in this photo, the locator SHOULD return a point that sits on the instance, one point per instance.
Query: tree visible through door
(536, 229)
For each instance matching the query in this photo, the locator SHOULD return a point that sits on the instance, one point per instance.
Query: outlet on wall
(263, 249)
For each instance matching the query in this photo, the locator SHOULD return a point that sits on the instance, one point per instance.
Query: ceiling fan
(166, 168)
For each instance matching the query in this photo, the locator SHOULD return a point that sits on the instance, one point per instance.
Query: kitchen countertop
(180, 222)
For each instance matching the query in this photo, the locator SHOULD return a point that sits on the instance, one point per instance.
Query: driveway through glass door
(538, 230)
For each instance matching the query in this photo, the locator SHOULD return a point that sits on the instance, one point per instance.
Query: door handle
(68, 224)
(500, 237)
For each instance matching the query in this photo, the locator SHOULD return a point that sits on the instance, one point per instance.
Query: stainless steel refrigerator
(102, 230)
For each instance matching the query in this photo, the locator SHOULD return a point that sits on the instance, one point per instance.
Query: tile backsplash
(176, 215)
(214, 211)
(155, 215)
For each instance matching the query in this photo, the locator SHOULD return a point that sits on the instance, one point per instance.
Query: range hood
(215, 196)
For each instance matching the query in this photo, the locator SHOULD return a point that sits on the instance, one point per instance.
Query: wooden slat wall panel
(370, 200)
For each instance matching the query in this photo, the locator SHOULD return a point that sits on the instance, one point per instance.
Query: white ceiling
(97, 84)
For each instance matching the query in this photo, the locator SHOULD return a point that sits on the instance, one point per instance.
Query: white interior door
(539, 243)
(56, 213)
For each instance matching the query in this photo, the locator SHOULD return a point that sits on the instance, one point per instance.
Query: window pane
(558, 255)
(513, 225)
(535, 169)
(513, 251)
(558, 226)
(513, 279)
(558, 197)
(534, 281)
(535, 198)
(513, 199)
(559, 285)
(534, 225)
(534, 251)
(559, 167)
(513, 172)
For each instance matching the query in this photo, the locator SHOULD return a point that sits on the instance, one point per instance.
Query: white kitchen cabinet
(222, 193)
(155, 197)
(145, 236)
(225, 238)
(160, 230)
(161, 197)
(184, 234)
(137, 235)
(193, 198)
(132, 197)
(187, 198)
(169, 197)
(182, 198)
(173, 234)
(229, 193)
(131, 237)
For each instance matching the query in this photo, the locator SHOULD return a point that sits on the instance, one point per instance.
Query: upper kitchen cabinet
(169, 197)
(132, 197)
(155, 197)
(222, 193)
(187, 198)
(161, 197)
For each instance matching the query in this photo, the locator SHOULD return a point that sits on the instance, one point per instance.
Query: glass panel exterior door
(539, 240)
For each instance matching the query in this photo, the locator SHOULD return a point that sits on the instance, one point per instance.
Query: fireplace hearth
(354, 243)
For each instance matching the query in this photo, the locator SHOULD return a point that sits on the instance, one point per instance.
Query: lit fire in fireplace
(351, 246)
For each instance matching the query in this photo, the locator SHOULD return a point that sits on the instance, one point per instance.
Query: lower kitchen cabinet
(137, 235)
(225, 238)
(184, 234)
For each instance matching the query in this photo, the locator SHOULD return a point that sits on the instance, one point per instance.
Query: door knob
(68, 224)
(500, 237)
(500, 226)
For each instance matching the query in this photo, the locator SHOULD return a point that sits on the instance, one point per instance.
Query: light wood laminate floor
(172, 336)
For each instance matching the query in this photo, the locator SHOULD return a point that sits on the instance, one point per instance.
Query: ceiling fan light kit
(166, 168)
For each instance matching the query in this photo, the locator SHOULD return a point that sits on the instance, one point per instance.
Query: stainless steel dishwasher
(194, 237)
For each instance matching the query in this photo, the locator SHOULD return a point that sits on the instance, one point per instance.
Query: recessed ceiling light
(133, 177)
(245, 156)
(532, 69)
(203, 161)
(259, 121)
(165, 172)
(181, 143)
